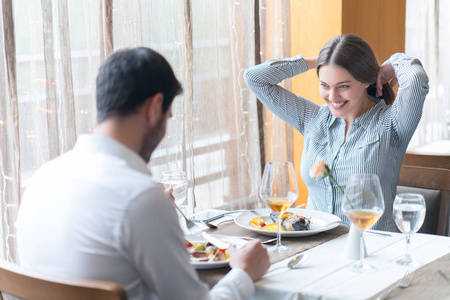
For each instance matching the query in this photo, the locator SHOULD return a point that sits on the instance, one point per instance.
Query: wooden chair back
(17, 283)
(429, 179)
(427, 160)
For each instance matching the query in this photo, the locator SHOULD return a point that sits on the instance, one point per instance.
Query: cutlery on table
(191, 226)
(215, 241)
(269, 241)
(294, 263)
(221, 215)
(240, 211)
(443, 275)
(403, 283)
(379, 232)
(212, 226)
(224, 242)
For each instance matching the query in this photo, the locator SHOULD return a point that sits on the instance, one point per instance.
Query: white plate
(319, 222)
(209, 264)
(213, 264)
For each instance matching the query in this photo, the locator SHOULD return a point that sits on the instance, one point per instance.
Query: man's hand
(385, 75)
(252, 258)
(169, 192)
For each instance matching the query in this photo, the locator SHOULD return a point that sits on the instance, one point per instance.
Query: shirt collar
(364, 119)
(94, 143)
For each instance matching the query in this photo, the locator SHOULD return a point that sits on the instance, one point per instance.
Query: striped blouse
(376, 142)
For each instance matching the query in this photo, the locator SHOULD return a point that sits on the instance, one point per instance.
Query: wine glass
(409, 213)
(178, 181)
(363, 204)
(279, 190)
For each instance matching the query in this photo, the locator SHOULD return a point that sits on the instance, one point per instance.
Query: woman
(361, 128)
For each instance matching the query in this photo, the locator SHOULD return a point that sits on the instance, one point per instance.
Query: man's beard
(152, 139)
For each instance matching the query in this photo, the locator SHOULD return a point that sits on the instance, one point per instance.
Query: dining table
(324, 275)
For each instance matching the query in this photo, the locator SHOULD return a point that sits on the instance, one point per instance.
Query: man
(96, 213)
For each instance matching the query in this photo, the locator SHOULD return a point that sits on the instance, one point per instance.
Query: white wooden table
(325, 274)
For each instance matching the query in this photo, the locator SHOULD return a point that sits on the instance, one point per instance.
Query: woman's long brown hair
(356, 56)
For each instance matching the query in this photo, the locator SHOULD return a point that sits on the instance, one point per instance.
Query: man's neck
(124, 130)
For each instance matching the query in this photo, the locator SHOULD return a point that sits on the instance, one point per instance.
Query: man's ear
(153, 108)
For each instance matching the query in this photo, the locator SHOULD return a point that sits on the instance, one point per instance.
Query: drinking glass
(178, 181)
(409, 213)
(363, 204)
(279, 190)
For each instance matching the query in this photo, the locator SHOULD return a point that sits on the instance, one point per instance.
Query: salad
(205, 252)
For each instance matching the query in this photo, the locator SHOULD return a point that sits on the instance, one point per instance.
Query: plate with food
(204, 255)
(294, 222)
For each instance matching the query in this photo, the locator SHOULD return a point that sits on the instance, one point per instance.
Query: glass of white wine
(363, 204)
(279, 190)
(409, 214)
(176, 180)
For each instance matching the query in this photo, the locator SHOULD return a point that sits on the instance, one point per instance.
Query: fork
(403, 283)
(191, 226)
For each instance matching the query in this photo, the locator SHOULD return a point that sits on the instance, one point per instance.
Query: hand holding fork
(191, 226)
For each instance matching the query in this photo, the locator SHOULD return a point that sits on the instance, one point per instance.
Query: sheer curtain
(50, 52)
(275, 43)
(427, 37)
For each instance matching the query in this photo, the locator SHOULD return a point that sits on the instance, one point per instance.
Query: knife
(443, 275)
(215, 241)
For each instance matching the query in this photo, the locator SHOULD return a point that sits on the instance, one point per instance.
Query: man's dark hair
(128, 77)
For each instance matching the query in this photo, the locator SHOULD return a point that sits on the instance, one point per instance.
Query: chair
(427, 160)
(434, 185)
(17, 283)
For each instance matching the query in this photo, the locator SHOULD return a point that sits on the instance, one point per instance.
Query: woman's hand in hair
(386, 74)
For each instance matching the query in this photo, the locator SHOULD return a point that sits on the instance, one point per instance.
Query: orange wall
(381, 23)
(314, 22)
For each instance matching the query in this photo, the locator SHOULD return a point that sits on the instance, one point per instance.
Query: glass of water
(409, 213)
(178, 182)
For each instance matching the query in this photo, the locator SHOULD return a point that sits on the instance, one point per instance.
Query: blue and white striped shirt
(376, 142)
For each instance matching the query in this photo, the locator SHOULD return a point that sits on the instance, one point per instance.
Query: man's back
(71, 218)
(95, 213)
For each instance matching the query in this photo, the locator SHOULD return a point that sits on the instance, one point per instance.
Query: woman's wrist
(311, 62)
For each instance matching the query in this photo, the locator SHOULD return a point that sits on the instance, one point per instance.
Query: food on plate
(258, 222)
(289, 222)
(205, 252)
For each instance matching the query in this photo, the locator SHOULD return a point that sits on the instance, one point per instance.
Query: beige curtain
(275, 43)
(9, 132)
(427, 37)
(50, 51)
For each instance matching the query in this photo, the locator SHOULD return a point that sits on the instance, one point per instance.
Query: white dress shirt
(96, 213)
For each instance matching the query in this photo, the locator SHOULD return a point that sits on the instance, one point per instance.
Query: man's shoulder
(95, 172)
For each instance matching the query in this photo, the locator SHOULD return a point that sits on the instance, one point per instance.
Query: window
(59, 46)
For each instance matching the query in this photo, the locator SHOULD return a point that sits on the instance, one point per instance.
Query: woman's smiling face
(345, 96)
